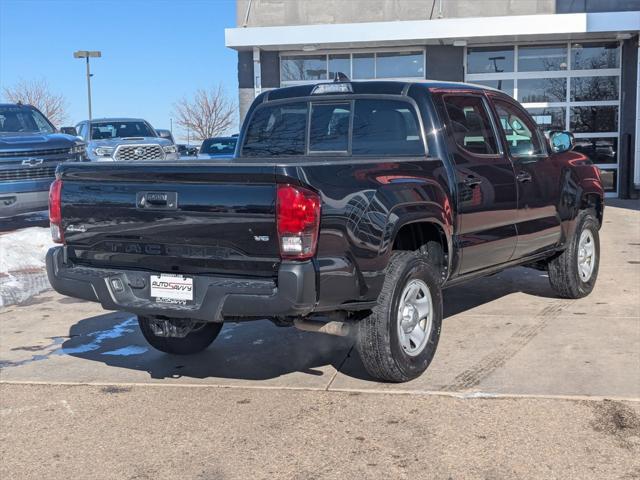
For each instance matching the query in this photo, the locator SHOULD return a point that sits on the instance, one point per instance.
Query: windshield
(219, 146)
(21, 119)
(108, 130)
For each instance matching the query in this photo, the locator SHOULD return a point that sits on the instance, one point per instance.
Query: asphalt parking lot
(524, 385)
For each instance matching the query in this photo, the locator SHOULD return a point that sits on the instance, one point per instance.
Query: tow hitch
(175, 327)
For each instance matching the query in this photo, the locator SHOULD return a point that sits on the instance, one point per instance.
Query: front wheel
(398, 340)
(573, 273)
(199, 336)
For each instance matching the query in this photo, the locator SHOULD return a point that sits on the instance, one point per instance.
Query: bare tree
(38, 94)
(208, 114)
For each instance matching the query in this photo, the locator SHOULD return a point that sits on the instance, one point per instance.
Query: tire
(379, 339)
(194, 342)
(566, 276)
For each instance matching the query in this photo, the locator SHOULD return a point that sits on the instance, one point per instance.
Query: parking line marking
(469, 395)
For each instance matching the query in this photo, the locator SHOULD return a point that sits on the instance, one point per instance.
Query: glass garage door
(566, 86)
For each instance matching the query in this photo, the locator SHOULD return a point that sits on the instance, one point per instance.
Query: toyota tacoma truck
(346, 205)
(125, 139)
(30, 150)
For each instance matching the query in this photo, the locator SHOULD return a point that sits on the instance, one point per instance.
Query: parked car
(349, 206)
(187, 150)
(122, 139)
(218, 148)
(30, 151)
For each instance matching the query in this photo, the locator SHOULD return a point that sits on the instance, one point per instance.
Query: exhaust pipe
(340, 329)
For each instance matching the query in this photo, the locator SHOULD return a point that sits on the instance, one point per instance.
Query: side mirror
(561, 141)
(69, 131)
(165, 134)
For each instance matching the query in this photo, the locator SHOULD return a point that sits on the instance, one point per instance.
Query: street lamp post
(88, 54)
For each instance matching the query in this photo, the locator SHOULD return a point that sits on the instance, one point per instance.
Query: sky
(153, 52)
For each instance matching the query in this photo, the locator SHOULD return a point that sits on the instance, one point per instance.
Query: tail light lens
(55, 211)
(298, 213)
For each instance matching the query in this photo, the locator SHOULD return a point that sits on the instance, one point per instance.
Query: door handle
(472, 181)
(523, 177)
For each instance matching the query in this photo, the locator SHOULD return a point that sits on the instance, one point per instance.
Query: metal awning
(441, 31)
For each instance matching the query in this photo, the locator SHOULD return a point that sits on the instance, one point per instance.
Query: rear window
(277, 130)
(329, 127)
(358, 127)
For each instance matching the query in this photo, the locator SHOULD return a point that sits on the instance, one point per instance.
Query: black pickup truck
(346, 205)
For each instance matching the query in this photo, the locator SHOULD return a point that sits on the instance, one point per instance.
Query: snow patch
(24, 249)
(22, 264)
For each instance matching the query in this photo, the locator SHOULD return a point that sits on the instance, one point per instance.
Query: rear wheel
(398, 340)
(573, 273)
(188, 337)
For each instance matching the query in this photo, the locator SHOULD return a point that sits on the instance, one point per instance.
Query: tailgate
(186, 218)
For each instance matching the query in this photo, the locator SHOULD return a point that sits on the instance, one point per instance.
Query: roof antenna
(340, 77)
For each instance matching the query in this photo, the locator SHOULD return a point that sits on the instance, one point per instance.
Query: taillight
(298, 214)
(55, 211)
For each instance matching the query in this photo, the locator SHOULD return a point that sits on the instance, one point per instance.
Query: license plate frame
(171, 288)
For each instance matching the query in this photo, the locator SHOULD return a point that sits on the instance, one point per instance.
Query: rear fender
(439, 215)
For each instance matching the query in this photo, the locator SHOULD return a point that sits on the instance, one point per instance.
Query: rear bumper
(215, 298)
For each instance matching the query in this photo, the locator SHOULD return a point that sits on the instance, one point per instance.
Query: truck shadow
(259, 350)
(250, 351)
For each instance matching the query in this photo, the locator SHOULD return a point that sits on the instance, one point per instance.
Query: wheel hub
(586, 255)
(415, 317)
(409, 318)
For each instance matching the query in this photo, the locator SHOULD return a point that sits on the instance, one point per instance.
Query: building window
(489, 60)
(595, 56)
(542, 58)
(400, 65)
(365, 65)
(309, 67)
(564, 86)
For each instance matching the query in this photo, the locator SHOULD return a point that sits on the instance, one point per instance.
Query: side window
(386, 127)
(329, 131)
(277, 130)
(82, 130)
(471, 124)
(519, 130)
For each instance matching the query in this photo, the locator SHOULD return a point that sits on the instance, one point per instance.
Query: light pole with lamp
(88, 54)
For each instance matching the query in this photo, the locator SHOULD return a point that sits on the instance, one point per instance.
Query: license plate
(166, 288)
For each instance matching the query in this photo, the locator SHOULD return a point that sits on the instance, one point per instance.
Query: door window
(518, 130)
(471, 124)
(386, 127)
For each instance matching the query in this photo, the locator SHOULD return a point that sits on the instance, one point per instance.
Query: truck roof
(376, 87)
(117, 119)
(19, 105)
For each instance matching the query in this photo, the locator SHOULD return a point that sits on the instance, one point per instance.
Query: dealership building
(572, 63)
